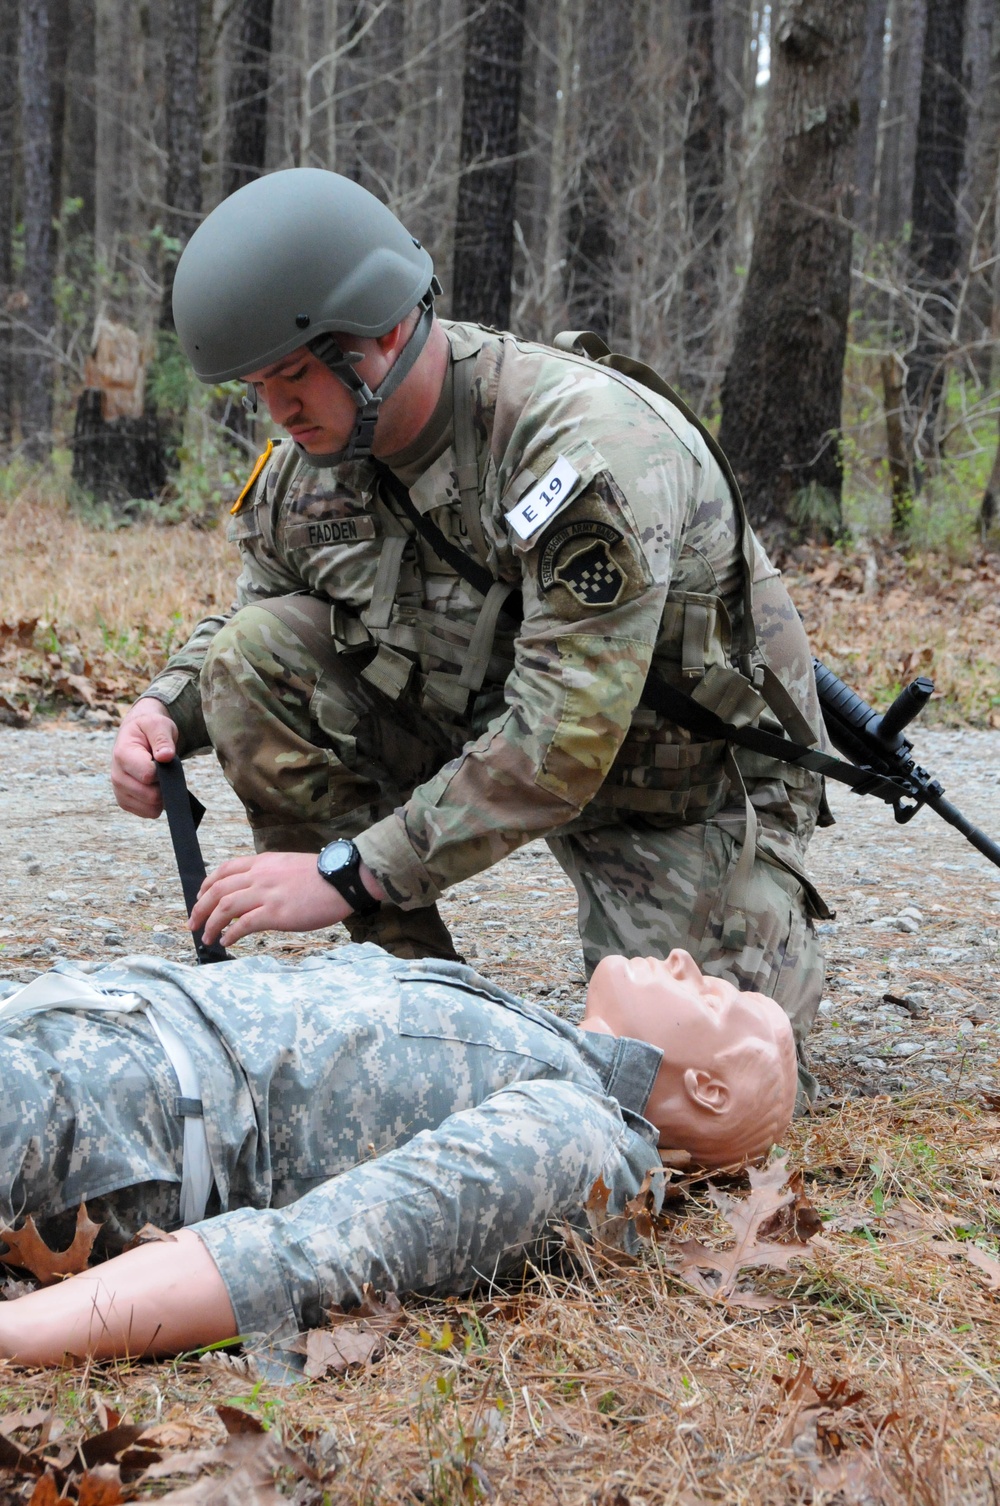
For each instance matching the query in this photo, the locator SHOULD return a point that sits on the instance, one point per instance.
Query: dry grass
(879, 619)
(616, 1384)
(124, 598)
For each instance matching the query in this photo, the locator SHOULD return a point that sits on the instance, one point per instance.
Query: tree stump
(116, 460)
(117, 444)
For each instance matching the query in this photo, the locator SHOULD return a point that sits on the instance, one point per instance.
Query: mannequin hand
(273, 891)
(146, 737)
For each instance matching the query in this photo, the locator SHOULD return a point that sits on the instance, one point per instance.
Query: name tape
(539, 504)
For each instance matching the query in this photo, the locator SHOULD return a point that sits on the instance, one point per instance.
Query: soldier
(457, 575)
(353, 1119)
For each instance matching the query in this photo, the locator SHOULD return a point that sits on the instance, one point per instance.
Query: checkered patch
(579, 558)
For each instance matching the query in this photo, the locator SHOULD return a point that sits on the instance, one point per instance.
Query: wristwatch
(339, 863)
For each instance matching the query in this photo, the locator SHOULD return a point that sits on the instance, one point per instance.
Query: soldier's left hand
(271, 891)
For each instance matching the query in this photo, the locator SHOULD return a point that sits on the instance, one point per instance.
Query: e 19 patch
(579, 558)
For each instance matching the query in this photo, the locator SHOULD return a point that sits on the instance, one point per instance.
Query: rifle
(875, 744)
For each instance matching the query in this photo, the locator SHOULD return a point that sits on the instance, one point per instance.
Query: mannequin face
(726, 1089)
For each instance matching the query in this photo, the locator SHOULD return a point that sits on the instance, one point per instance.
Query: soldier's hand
(273, 891)
(146, 737)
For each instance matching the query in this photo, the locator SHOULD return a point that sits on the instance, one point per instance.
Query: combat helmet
(287, 260)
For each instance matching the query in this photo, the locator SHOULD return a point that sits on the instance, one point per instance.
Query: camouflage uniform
(368, 1119)
(392, 705)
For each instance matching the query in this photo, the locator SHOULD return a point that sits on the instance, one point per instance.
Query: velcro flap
(730, 695)
(389, 672)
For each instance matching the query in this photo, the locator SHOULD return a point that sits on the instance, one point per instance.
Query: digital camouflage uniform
(441, 736)
(368, 1119)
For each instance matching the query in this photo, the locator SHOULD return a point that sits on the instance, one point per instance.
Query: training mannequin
(366, 1119)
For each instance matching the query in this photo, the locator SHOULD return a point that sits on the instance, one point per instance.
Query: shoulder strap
(466, 457)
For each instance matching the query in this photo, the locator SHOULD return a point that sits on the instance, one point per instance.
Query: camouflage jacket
(598, 501)
(322, 1084)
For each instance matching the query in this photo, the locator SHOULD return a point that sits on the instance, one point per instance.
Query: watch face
(336, 855)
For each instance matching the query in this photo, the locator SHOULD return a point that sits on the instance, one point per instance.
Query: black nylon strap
(184, 812)
(471, 571)
(680, 708)
(657, 694)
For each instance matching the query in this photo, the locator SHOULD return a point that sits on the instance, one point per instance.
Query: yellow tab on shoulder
(259, 465)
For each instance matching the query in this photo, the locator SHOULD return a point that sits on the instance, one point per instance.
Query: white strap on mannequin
(59, 991)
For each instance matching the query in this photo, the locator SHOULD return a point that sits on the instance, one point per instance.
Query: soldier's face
(307, 399)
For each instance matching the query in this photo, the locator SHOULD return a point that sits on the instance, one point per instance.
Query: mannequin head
(726, 1089)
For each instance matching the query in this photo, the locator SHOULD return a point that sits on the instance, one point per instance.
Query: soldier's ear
(706, 1090)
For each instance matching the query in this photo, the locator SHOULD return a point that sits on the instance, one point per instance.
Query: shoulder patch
(579, 558)
(259, 465)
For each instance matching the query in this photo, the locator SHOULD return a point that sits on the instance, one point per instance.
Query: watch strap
(347, 881)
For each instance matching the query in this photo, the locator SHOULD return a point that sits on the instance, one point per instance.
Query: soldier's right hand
(147, 736)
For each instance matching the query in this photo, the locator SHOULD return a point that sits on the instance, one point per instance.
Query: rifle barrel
(980, 841)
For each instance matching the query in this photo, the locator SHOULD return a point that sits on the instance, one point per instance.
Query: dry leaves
(27, 1250)
(357, 1337)
(908, 1222)
(771, 1226)
(831, 1435)
(251, 1458)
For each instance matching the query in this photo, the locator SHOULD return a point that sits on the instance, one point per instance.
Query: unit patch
(579, 558)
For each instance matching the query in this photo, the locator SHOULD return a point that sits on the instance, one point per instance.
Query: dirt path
(912, 987)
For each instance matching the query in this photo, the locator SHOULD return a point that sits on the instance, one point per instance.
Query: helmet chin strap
(343, 364)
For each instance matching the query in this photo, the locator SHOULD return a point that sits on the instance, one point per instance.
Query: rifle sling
(657, 694)
(677, 707)
(471, 571)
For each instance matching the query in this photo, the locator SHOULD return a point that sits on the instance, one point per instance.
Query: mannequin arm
(159, 1299)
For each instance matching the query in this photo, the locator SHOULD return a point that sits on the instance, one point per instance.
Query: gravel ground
(911, 998)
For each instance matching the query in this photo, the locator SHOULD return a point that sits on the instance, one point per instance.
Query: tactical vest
(661, 770)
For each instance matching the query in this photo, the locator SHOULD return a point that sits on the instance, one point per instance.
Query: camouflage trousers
(314, 752)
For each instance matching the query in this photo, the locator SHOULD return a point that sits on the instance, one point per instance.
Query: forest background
(791, 211)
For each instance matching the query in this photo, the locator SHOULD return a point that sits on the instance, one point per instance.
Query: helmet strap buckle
(343, 362)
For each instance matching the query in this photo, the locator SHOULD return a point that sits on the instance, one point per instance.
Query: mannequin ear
(707, 1091)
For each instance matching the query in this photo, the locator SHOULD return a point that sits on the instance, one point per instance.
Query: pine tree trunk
(36, 152)
(594, 297)
(58, 57)
(8, 133)
(935, 243)
(704, 178)
(781, 395)
(869, 108)
(80, 151)
(246, 94)
(484, 220)
(183, 139)
(907, 23)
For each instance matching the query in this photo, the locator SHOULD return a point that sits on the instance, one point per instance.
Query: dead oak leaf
(334, 1351)
(27, 1250)
(100, 1487)
(769, 1196)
